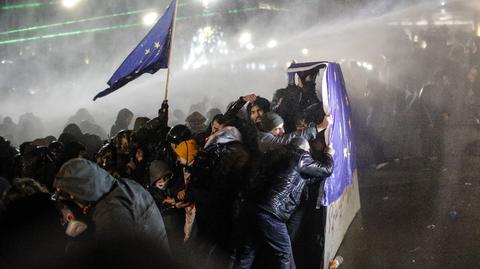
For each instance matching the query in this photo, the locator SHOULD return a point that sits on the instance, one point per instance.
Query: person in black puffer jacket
(287, 171)
(216, 177)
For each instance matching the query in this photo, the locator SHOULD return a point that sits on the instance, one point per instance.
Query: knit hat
(158, 169)
(270, 121)
(187, 150)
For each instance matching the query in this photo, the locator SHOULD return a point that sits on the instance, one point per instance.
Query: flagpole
(171, 48)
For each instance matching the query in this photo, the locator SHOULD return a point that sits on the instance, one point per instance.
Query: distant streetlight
(245, 38)
(150, 18)
(70, 3)
(272, 44)
(423, 44)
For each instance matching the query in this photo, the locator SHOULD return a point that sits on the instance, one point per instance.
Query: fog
(54, 77)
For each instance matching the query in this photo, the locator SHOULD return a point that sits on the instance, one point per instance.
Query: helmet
(178, 134)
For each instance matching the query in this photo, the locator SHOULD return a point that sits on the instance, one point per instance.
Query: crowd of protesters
(238, 189)
(230, 191)
(425, 84)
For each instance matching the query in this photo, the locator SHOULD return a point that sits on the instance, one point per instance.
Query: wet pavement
(419, 213)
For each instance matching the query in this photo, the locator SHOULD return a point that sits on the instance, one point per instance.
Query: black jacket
(217, 169)
(286, 173)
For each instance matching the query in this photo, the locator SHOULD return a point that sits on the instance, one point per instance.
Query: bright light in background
(272, 44)
(443, 3)
(423, 44)
(206, 3)
(205, 34)
(478, 29)
(70, 3)
(366, 65)
(245, 38)
(250, 46)
(421, 23)
(150, 18)
(304, 51)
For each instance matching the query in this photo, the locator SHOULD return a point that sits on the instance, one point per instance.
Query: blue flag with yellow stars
(340, 134)
(148, 57)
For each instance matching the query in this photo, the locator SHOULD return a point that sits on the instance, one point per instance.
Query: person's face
(139, 155)
(182, 161)
(162, 182)
(216, 126)
(256, 114)
(278, 131)
(301, 125)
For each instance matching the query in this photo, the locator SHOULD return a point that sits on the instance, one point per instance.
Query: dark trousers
(271, 231)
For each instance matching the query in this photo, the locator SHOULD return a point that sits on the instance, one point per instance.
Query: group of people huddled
(239, 192)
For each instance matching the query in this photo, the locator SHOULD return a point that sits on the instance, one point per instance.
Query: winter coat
(215, 181)
(217, 167)
(293, 100)
(286, 174)
(122, 209)
(247, 128)
(267, 141)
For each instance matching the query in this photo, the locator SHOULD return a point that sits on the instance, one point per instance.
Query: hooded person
(186, 149)
(272, 135)
(211, 113)
(124, 117)
(216, 179)
(140, 122)
(81, 115)
(89, 127)
(196, 122)
(9, 130)
(71, 133)
(294, 99)
(164, 186)
(119, 209)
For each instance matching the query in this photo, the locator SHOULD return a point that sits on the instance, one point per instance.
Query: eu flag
(148, 57)
(339, 134)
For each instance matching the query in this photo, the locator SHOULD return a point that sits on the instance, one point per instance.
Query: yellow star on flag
(157, 45)
(147, 51)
